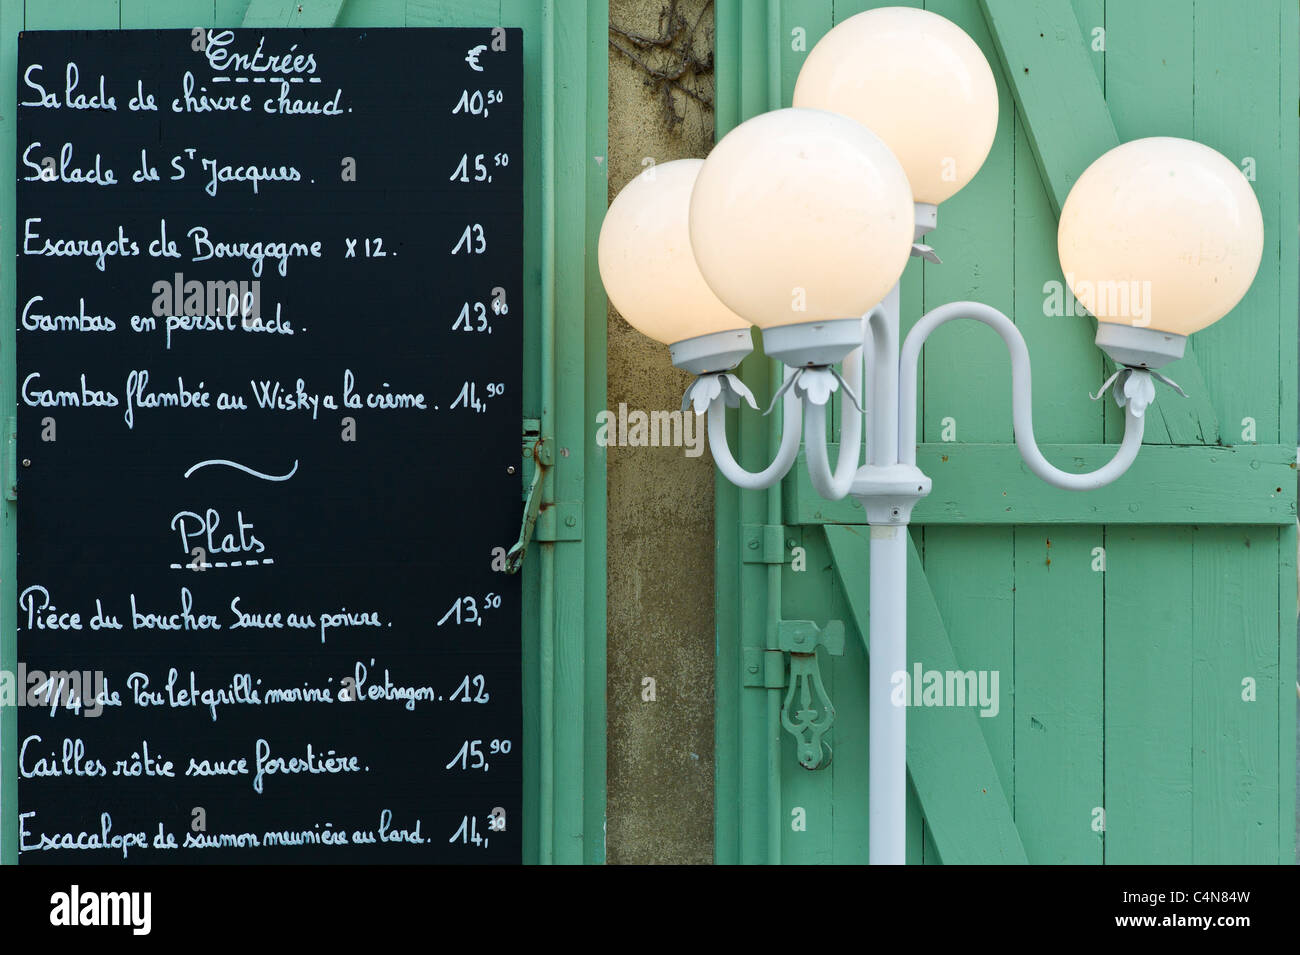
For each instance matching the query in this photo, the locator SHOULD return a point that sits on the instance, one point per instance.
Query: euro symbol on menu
(472, 58)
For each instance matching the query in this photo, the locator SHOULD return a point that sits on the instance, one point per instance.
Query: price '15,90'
(471, 754)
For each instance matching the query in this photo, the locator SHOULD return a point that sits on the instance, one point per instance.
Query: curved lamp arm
(1021, 400)
(834, 485)
(785, 455)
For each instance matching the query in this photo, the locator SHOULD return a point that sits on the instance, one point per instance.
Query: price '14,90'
(468, 396)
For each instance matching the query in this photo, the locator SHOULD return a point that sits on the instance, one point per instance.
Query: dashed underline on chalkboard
(223, 563)
(263, 79)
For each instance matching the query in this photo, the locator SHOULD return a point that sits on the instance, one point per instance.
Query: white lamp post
(801, 221)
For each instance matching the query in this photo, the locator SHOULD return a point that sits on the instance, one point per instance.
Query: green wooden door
(565, 80)
(1143, 635)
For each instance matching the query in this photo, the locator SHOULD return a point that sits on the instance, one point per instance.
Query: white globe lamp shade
(650, 275)
(802, 218)
(1159, 238)
(919, 82)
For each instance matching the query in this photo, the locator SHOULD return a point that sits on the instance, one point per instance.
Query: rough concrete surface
(660, 549)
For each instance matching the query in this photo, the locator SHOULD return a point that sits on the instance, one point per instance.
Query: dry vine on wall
(671, 60)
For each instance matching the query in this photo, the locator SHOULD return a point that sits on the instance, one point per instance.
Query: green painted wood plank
(538, 829)
(1193, 420)
(1288, 211)
(11, 22)
(920, 845)
(1235, 728)
(728, 677)
(373, 13)
(230, 13)
(965, 806)
(970, 568)
(1236, 73)
(1149, 716)
(1059, 692)
(466, 13)
(729, 793)
(971, 572)
(1149, 92)
(843, 9)
(72, 15)
(743, 822)
(1047, 64)
(565, 48)
(1288, 610)
(164, 14)
(818, 593)
(749, 87)
(990, 484)
(807, 595)
(812, 21)
(809, 793)
(850, 736)
(572, 165)
(1091, 15)
(1067, 365)
(810, 595)
(975, 239)
(1149, 80)
(566, 73)
(929, 851)
(1045, 59)
(595, 147)
(292, 13)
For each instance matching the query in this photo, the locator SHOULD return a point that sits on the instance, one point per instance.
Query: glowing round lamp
(802, 219)
(650, 275)
(1159, 238)
(917, 81)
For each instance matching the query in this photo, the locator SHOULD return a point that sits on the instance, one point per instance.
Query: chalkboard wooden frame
(565, 196)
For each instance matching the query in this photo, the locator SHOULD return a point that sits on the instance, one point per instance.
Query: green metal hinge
(763, 544)
(764, 669)
(11, 459)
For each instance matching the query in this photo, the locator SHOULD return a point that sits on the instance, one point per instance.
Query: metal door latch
(811, 718)
(542, 458)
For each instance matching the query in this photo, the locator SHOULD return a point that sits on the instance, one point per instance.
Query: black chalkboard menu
(269, 311)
